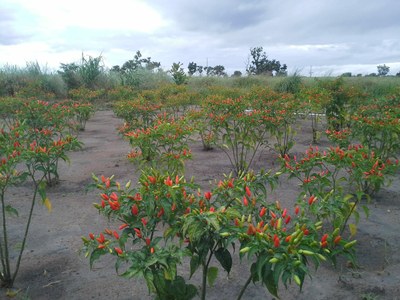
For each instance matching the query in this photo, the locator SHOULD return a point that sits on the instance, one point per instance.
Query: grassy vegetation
(89, 79)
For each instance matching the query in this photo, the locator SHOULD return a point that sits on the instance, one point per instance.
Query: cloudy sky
(321, 36)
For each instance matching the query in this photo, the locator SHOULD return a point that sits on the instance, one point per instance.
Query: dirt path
(53, 268)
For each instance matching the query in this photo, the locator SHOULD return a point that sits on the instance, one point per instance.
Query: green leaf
(11, 210)
(348, 197)
(95, 255)
(42, 190)
(194, 264)
(366, 210)
(212, 274)
(285, 277)
(225, 259)
(191, 292)
(353, 229)
(268, 280)
(278, 269)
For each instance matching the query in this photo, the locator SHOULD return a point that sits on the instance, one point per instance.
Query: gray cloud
(9, 34)
(300, 33)
(212, 16)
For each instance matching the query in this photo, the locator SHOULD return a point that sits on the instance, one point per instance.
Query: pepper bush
(165, 218)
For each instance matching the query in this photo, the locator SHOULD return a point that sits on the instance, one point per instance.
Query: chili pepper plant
(164, 219)
(314, 100)
(237, 130)
(163, 145)
(18, 164)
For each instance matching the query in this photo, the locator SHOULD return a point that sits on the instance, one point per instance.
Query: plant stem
(5, 260)
(204, 280)
(36, 183)
(244, 287)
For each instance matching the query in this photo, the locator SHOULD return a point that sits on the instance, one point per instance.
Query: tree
(69, 73)
(178, 74)
(383, 70)
(138, 63)
(192, 68)
(200, 69)
(137, 71)
(219, 70)
(86, 73)
(346, 74)
(209, 71)
(261, 65)
(237, 74)
(90, 70)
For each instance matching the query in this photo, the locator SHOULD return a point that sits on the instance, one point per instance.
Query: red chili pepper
(212, 209)
(312, 199)
(287, 220)
(168, 181)
(91, 235)
(123, 226)
(114, 196)
(276, 241)
(176, 179)
(101, 239)
(137, 197)
(104, 196)
(273, 215)
(138, 232)
(248, 192)
(288, 238)
(148, 241)
(284, 213)
(116, 235)
(245, 201)
(324, 244)
(152, 179)
(101, 246)
(135, 210)
(297, 210)
(337, 239)
(144, 222)
(114, 205)
(324, 238)
(151, 250)
(251, 230)
(230, 183)
(207, 195)
(118, 250)
(263, 211)
(161, 212)
(108, 231)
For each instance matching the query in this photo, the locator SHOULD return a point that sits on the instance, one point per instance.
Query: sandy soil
(53, 267)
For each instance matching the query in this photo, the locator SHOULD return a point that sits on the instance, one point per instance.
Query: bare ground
(53, 267)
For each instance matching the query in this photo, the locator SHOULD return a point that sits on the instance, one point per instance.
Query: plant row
(34, 137)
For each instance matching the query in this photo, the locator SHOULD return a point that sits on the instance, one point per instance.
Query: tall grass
(38, 81)
(30, 81)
